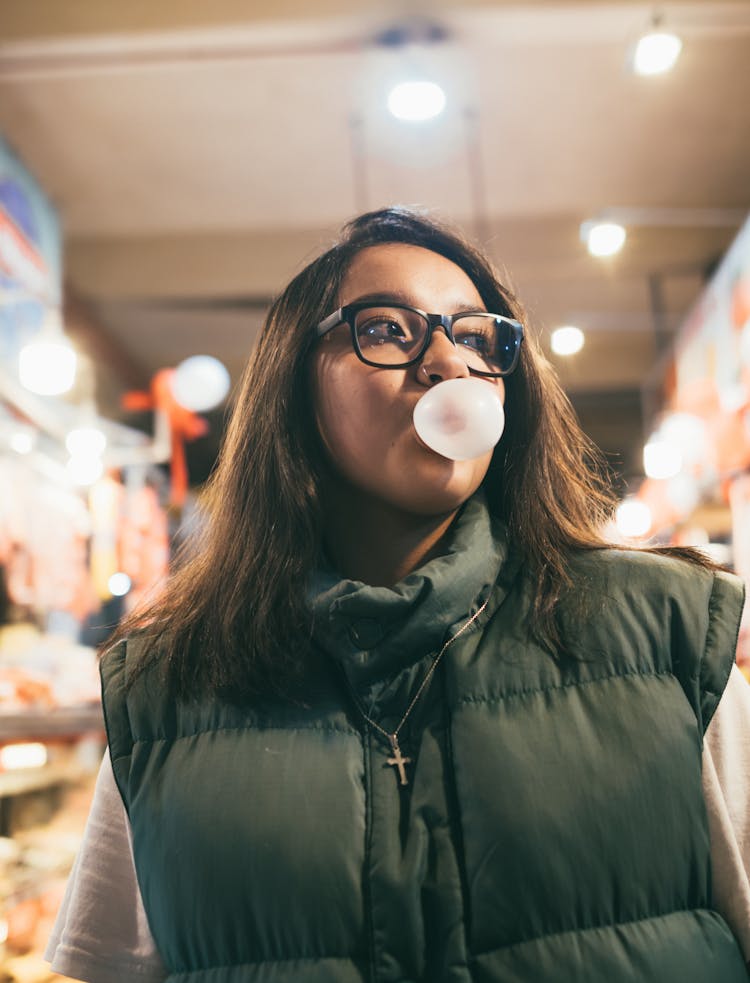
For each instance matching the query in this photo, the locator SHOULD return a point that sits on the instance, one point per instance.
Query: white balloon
(460, 419)
(200, 383)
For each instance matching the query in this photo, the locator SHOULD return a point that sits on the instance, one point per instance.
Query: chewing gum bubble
(460, 418)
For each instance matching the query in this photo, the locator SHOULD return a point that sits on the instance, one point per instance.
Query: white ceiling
(204, 152)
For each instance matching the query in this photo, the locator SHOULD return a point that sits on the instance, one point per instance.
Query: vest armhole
(724, 613)
(112, 669)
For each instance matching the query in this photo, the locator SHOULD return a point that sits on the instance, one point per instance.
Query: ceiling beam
(53, 20)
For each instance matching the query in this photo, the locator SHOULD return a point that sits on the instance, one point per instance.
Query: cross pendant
(398, 759)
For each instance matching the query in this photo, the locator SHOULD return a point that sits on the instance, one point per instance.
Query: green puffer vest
(553, 829)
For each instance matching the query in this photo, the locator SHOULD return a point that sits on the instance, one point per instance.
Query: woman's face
(364, 414)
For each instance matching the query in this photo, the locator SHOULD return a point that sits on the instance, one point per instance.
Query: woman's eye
(383, 328)
(382, 331)
(477, 342)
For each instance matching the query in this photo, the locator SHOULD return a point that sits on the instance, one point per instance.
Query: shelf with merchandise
(42, 819)
(59, 722)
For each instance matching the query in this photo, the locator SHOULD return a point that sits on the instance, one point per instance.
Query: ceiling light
(19, 756)
(200, 383)
(22, 441)
(86, 442)
(661, 459)
(656, 53)
(119, 584)
(416, 101)
(603, 238)
(633, 518)
(567, 340)
(47, 368)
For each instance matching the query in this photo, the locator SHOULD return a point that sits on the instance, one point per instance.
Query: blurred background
(166, 167)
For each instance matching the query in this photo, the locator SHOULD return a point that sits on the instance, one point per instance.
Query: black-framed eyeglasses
(393, 336)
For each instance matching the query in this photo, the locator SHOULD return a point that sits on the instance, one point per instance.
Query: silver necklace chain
(398, 760)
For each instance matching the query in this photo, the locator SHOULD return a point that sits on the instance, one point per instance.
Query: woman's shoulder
(658, 569)
(681, 591)
(133, 680)
(128, 656)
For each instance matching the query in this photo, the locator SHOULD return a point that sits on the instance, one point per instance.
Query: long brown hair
(234, 619)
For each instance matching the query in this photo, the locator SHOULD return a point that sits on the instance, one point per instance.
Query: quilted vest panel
(553, 829)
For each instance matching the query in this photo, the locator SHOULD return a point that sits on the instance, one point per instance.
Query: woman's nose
(441, 361)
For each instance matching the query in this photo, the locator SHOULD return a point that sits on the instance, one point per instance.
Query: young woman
(404, 718)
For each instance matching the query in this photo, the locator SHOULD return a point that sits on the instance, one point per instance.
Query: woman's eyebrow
(384, 297)
(459, 306)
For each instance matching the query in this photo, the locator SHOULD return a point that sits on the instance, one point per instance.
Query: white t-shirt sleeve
(101, 934)
(726, 788)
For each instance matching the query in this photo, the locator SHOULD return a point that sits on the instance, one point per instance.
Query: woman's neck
(378, 544)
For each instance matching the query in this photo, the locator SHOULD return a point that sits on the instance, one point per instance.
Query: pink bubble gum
(461, 419)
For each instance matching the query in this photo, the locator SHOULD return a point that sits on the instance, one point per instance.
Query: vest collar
(375, 631)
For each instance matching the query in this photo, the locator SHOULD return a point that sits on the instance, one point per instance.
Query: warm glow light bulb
(633, 518)
(661, 458)
(656, 53)
(567, 340)
(416, 101)
(200, 383)
(119, 584)
(85, 442)
(604, 238)
(22, 442)
(47, 368)
(14, 757)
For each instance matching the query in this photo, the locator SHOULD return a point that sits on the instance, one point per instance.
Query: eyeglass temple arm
(330, 322)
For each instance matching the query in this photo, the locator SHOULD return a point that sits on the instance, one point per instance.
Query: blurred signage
(712, 352)
(707, 379)
(30, 256)
(707, 390)
(20, 262)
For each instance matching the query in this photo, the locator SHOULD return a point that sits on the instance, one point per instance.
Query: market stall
(698, 492)
(83, 535)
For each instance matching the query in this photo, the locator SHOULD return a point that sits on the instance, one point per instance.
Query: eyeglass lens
(392, 335)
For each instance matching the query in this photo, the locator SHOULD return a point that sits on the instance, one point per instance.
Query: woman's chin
(443, 489)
